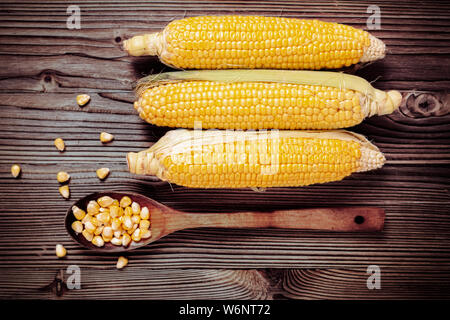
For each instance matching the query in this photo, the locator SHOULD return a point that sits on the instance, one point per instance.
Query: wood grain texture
(134, 283)
(352, 284)
(45, 65)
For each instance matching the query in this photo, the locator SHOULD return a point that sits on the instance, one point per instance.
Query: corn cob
(260, 99)
(238, 159)
(248, 42)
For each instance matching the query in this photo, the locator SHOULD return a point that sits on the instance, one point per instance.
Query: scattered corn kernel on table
(45, 65)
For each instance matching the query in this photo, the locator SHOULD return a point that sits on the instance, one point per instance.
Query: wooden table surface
(44, 66)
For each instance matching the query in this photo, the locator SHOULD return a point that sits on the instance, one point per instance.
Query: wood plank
(45, 65)
(144, 283)
(131, 283)
(81, 52)
(349, 284)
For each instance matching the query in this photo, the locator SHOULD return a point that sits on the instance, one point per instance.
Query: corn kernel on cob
(260, 99)
(227, 42)
(232, 159)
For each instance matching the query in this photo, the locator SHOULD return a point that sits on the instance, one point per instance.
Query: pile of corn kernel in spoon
(111, 220)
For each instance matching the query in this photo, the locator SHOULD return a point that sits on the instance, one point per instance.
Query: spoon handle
(331, 219)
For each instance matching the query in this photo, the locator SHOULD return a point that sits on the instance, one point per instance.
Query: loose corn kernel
(77, 226)
(83, 99)
(136, 236)
(98, 241)
(115, 203)
(106, 137)
(135, 218)
(15, 170)
(87, 235)
(116, 241)
(144, 224)
(129, 231)
(89, 226)
(125, 201)
(98, 231)
(114, 211)
(116, 224)
(78, 213)
(128, 212)
(104, 210)
(60, 251)
(59, 144)
(121, 262)
(105, 201)
(103, 217)
(86, 218)
(95, 222)
(127, 223)
(146, 233)
(126, 239)
(64, 191)
(135, 208)
(62, 176)
(145, 213)
(102, 173)
(108, 232)
(93, 207)
(106, 239)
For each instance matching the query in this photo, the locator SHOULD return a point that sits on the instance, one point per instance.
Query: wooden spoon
(165, 220)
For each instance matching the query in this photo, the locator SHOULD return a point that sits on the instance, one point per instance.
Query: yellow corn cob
(237, 159)
(226, 42)
(260, 99)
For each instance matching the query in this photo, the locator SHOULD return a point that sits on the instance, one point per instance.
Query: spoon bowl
(156, 219)
(165, 220)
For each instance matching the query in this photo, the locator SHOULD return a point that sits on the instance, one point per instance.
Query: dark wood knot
(48, 81)
(117, 36)
(57, 286)
(427, 105)
(47, 76)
